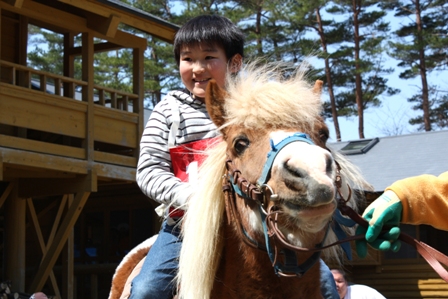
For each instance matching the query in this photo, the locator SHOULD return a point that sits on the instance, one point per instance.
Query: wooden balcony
(50, 127)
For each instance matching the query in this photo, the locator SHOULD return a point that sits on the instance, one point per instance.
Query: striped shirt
(154, 170)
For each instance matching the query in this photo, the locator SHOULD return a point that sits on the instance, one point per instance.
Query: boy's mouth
(201, 81)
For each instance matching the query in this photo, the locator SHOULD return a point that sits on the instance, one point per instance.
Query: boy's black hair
(211, 29)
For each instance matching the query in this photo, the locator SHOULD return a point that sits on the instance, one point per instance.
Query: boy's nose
(198, 67)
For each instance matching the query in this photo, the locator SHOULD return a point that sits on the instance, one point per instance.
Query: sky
(391, 117)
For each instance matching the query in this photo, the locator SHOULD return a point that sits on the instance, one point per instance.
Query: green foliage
(438, 113)
(420, 47)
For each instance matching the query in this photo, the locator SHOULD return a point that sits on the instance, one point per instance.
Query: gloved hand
(385, 210)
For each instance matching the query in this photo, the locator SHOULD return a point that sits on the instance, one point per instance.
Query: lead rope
(432, 256)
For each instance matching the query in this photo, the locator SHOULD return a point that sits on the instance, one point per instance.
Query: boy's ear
(235, 63)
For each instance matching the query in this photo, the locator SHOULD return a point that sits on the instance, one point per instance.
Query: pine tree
(358, 62)
(308, 15)
(421, 49)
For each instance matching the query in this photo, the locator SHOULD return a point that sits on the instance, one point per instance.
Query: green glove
(385, 210)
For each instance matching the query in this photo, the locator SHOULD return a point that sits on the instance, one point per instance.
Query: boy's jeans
(156, 278)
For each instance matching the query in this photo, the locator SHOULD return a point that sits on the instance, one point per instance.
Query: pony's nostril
(329, 165)
(296, 172)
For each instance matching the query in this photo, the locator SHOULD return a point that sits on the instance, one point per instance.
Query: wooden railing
(46, 82)
(48, 113)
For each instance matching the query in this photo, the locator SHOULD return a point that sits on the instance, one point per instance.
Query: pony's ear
(214, 101)
(318, 86)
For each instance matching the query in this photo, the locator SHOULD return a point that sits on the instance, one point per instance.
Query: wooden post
(14, 254)
(87, 92)
(137, 76)
(68, 258)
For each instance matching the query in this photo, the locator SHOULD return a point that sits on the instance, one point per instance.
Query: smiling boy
(206, 47)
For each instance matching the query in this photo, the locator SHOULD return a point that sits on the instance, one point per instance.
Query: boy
(205, 48)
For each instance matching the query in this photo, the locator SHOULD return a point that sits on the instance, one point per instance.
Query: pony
(267, 192)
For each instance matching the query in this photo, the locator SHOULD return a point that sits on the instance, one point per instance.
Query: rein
(275, 242)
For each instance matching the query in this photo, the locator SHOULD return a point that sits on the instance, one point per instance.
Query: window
(359, 146)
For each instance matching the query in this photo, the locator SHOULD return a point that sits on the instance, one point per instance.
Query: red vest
(185, 160)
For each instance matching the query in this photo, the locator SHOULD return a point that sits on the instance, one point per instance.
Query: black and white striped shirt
(154, 170)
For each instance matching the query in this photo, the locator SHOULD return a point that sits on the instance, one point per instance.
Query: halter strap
(275, 149)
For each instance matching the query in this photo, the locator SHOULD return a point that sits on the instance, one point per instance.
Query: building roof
(397, 157)
(105, 15)
(138, 12)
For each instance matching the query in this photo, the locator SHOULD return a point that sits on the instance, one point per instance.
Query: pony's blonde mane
(258, 97)
(274, 95)
(201, 245)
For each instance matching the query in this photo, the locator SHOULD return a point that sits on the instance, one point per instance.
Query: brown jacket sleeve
(424, 199)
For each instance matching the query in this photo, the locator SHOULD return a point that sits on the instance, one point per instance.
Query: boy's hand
(385, 210)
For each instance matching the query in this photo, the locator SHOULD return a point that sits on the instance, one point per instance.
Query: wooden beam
(138, 85)
(68, 63)
(15, 3)
(43, 161)
(41, 241)
(97, 48)
(88, 74)
(2, 168)
(115, 172)
(49, 259)
(106, 26)
(14, 158)
(6, 193)
(68, 256)
(58, 218)
(66, 22)
(32, 187)
(163, 32)
(14, 266)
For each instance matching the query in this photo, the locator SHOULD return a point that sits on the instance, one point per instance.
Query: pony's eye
(324, 135)
(240, 145)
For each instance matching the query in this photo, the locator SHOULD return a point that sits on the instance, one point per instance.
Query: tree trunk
(422, 67)
(358, 80)
(323, 41)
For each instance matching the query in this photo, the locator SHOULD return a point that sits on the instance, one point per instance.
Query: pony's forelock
(273, 94)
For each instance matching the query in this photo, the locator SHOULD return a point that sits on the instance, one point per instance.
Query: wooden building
(382, 161)
(69, 148)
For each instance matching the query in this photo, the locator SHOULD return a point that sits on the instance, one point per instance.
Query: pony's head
(264, 114)
(274, 140)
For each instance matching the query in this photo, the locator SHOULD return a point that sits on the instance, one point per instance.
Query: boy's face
(201, 63)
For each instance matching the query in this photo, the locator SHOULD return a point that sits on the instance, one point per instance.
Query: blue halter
(275, 149)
